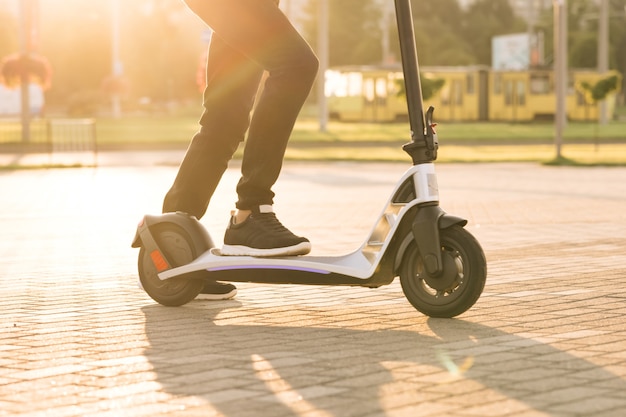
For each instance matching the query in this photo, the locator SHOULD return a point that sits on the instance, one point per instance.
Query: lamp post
(603, 51)
(560, 71)
(322, 45)
(387, 14)
(27, 40)
(117, 68)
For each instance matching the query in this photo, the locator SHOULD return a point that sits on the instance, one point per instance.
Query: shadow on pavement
(287, 370)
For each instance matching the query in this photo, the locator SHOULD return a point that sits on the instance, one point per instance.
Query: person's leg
(261, 32)
(232, 83)
(265, 35)
(292, 68)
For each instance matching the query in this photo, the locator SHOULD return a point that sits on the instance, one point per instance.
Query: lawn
(159, 131)
(583, 143)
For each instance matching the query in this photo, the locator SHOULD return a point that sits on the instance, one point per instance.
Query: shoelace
(271, 222)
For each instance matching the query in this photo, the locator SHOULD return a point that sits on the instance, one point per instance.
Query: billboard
(11, 100)
(511, 52)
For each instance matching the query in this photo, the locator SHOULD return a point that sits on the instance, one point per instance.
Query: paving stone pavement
(547, 337)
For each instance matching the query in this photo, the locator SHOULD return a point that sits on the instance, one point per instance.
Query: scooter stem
(423, 145)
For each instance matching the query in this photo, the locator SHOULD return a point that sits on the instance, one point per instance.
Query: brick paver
(547, 338)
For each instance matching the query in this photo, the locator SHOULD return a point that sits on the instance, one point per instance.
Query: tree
(617, 36)
(162, 57)
(9, 42)
(354, 31)
(79, 63)
(583, 35)
(599, 90)
(484, 20)
(583, 49)
(430, 87)
(439, 36)
(160, 47)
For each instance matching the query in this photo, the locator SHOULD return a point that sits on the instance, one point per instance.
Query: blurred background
(482, 60)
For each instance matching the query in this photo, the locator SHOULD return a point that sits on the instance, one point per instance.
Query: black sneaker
(217, 291)
(261, 234)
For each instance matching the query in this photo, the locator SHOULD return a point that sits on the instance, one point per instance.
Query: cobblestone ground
(547, 337)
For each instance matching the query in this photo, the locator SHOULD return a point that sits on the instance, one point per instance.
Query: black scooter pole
(423, 145)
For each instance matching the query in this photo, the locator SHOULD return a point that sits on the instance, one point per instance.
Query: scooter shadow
(286, 370)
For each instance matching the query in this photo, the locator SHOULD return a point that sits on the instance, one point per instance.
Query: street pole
(116, 65)
(387, 57)
(560, 71)
(603, 52)
(26, 14)
(322, 45)
(533, 46)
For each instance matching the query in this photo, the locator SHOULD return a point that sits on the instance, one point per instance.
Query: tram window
(336, 84)
(381, 90)
(458, 92)
(521, 93)
(368, 90)
(445, 95)
(571, 86)
(396, 84)
(539, 84)
(497, 84)
(355, 81)
(508, 93)
(470, 83)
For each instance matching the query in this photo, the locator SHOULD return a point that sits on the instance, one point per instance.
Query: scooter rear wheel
(179, 250)
(461, 282)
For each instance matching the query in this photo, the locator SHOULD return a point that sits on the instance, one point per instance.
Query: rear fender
(200, 238)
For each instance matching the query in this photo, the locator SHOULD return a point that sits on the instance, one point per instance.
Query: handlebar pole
(410, 67)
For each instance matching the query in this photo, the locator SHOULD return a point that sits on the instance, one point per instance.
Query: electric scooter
(442, 267)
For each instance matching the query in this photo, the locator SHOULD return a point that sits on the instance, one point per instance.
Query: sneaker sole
(217, 297)
(237, 250)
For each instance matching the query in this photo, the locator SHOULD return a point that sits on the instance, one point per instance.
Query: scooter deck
(352, 268)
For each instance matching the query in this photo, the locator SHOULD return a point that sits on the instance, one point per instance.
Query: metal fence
(67, 140)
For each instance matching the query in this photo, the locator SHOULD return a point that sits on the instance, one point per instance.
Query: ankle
(240, 216)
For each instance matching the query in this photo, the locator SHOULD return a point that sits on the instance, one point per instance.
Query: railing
(67, 141)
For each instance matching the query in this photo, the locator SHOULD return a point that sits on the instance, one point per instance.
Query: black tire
(178, 249)
(461, 283)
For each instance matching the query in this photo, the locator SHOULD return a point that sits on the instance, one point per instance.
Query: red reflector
(159, 261)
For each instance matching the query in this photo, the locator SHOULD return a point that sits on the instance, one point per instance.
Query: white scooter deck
(360, 264)
(355, 264)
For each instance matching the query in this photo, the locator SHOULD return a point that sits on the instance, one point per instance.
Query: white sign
(11, 100)
(511, 52)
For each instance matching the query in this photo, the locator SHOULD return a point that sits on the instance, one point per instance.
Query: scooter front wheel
(178, 250)
(460, 284)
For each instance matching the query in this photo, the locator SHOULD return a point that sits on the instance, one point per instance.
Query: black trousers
(249, 37)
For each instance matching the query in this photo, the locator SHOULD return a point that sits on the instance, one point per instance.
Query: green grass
(145, 130)
(171, 130)
(572, 154)
(584, 143)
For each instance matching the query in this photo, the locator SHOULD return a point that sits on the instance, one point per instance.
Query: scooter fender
(429, 220)
(199, 237)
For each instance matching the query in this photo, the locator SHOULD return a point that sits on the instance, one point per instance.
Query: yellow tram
(471, 93)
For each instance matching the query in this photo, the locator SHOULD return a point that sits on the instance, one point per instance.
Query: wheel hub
(449, 277)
